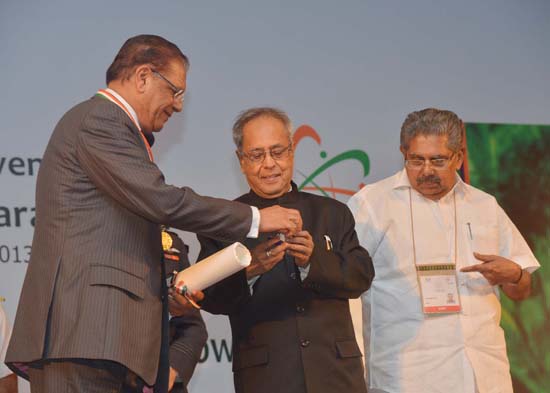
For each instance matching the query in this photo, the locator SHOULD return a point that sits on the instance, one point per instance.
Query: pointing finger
(473, 268)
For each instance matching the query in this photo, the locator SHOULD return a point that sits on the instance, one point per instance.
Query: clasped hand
(267, 254)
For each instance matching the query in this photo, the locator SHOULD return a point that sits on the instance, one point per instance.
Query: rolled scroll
(213, 269)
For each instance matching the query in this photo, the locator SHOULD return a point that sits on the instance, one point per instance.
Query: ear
(141, 76)
(241, 160)
(403, 151)
(459, 158)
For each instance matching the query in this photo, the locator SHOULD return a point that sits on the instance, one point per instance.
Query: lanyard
(105, 94)
(412, 228)
(438, 283)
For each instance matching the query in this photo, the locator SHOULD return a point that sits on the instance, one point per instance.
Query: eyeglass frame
(284, 150)
(178, 93)
(446, 162)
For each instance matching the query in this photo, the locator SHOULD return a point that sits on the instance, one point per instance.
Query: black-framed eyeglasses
(278, 153)
(178, 93)
(436, 162)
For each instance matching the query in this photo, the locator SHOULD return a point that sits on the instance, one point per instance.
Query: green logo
(309, 183)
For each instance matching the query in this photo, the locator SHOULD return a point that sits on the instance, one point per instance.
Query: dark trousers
(82, 376)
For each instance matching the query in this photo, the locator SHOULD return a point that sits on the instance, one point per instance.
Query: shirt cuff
(304, 271)
(255, 226)
(251, 283)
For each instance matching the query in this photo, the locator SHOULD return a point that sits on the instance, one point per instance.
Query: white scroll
(214, 268)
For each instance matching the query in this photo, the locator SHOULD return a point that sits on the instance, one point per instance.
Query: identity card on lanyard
(438, 288)
(438, 282)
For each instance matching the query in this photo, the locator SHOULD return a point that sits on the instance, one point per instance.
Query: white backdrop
(352, 70)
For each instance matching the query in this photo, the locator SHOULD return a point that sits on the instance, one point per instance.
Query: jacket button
(305, 343)
(300, 309)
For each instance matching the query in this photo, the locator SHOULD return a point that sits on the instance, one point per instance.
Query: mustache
(428, 179)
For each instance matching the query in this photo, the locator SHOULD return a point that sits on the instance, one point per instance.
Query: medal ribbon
(105, 94)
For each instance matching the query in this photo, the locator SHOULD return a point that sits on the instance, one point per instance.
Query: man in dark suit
(188, 333)
(93, 308)
(289, 311)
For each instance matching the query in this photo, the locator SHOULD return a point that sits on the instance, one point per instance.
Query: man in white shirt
(442, 251)
(8, 380)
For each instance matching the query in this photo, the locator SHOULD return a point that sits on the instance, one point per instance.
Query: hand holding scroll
(180, 305)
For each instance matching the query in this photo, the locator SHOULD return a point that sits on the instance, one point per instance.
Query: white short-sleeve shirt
(405, 350)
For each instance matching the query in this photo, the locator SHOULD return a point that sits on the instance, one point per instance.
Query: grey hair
(144, 49)
(253, 113)
(432, 121)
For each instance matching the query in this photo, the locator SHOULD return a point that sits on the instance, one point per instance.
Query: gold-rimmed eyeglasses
(278, 153)
(178, 93)
(435, 162)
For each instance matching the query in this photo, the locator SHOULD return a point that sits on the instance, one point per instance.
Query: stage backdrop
(512, 162)
(346, 72)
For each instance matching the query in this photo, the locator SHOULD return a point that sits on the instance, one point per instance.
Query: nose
(428, 168)
(269, 162)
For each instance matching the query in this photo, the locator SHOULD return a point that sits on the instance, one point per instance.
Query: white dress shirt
(406, 350)
(4, 340)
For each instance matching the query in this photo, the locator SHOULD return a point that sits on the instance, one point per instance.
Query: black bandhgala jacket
(290, 335)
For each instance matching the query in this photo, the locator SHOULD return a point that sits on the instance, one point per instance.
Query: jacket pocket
(251, 357)
(113, 277)
(348, 349)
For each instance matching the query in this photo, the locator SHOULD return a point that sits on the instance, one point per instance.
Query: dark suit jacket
(291, 336)
(93, 285)
(188, 336)
(188, 333)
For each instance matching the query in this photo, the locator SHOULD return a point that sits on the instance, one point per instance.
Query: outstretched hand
(280, 219)
(496, 269)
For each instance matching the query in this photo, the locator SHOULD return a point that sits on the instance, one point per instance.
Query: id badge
(438, 288)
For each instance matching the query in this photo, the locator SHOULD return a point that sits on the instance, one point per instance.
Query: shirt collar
(402, 180)
(126, 105)
(148, 135)
(286, 198)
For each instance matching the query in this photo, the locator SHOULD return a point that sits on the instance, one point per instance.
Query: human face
(431, 181)
(269, 178)
(161, 102)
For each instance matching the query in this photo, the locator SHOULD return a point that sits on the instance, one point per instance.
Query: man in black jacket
(188, 333)
(290, 319)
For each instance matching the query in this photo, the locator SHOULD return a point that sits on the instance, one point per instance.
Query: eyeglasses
(278, 153)
(437, 163)
(178, 93)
